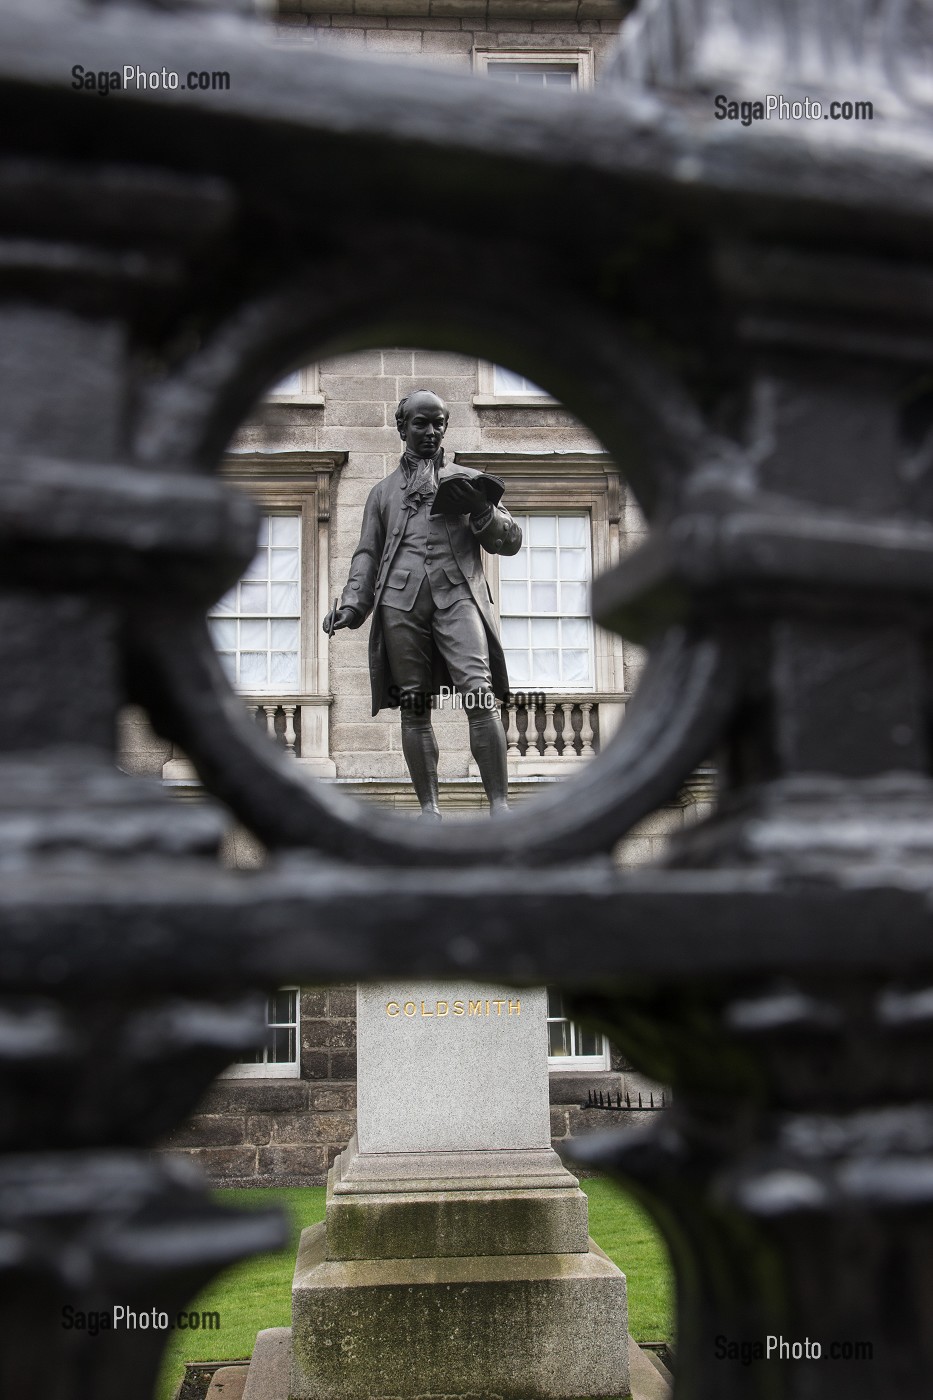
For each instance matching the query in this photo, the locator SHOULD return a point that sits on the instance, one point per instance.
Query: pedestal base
(489, 1327)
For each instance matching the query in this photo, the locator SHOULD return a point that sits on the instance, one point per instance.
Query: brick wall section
(268, 1132)
(447, 39)
(328, 1033)
(282, 1132)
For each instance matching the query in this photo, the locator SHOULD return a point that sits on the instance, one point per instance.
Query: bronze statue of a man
(421, 576)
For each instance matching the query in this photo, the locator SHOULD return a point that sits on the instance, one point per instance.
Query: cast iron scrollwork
(758, 306)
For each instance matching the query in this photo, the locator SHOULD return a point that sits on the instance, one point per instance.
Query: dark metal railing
(741, 313)
(619, 1102)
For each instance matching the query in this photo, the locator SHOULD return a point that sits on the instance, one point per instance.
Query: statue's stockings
(487, 745)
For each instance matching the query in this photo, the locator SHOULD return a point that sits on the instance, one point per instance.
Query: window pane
(573, 564)
(228, 662)
(574, 632)
(513, 566)
(515, 597)
(263, 537)
(282, 1046)
(558, 1035)
(254, 635)
(576, 667)
(254, 598)
(546, 75)
(284, 563)
(289, 384)
(544, 563)
(542, 529)
(282, 1006)
(574, 599)
(514, 632)
(284, 599)
(227, 604)
(559, 78)
(258, 567)
(588, 1042)
(544, 632)
(223, 634)
(252, 668)
(284, 669)
(506, 381)
(544, 597)
(285, 634)
(572, 530)
(516, 663)
(555, 1002)
(283, 529)
(545, 668)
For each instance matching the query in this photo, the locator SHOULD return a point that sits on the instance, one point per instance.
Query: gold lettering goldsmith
(458, 1008)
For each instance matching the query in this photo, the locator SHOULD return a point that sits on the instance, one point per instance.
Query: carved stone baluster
(290, 736)
(510, 725)
(269, 712)
(587, 732)
(550, 731)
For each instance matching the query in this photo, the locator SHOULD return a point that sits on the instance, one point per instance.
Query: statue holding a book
(418, 570)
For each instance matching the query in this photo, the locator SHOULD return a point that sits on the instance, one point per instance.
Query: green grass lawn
(257, 1294)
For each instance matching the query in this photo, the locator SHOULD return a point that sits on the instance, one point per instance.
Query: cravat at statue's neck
(414, 465)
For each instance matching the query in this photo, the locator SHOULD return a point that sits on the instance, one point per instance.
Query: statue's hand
(337, 618)
(466, 499)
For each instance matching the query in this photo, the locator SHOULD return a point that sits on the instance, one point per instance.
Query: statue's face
(425, 424)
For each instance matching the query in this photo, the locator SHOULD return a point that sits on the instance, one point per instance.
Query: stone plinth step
(270, 1366)
(229, 1383)
(464, 1326)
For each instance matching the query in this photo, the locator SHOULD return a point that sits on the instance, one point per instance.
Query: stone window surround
(309, 394)
(486, 396)
(555, 482)
(301, 481)
(582, 57)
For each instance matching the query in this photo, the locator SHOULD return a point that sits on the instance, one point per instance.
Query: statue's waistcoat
(424, 549)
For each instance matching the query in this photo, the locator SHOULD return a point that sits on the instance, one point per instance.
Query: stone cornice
(279, 466)
(483, 11)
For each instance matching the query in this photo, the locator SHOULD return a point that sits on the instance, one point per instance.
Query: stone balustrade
(551, 727)
(300, 724)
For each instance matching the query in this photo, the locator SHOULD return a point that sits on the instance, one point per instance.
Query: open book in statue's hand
(445, 502)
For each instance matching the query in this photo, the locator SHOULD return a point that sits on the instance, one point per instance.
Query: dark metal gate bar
(743, 316)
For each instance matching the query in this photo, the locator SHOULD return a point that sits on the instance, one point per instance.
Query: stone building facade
(309, 454)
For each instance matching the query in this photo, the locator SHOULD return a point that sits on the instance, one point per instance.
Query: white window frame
(561, 687)
(555, 483)
(595, 1063)
(309, 391)
(487, 397)
(289, 1070)
(581, 58)
(274, 687)
(298, 482)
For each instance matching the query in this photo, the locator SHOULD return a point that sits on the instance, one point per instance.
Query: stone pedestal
(454, 1259)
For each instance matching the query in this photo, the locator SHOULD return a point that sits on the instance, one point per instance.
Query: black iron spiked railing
(618, 1102)
(744, 316)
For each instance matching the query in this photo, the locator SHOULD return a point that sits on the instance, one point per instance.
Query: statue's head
(421, 418)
